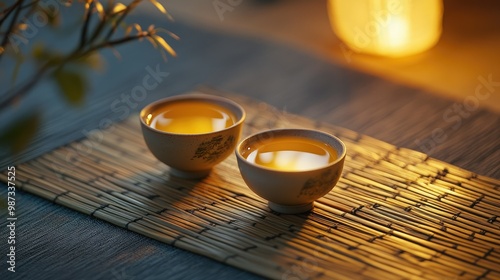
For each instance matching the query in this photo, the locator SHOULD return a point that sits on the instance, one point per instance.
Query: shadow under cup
(192, 155)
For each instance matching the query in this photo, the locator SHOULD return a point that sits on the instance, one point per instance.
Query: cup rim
(193, 96)
(340, 157)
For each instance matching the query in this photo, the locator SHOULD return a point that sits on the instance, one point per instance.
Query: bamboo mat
(395, 212)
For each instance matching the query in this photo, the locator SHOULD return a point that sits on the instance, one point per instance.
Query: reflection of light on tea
(291, 153)
(190, 117)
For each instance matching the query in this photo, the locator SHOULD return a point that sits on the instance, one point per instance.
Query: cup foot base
(290, 209)
(190, 174)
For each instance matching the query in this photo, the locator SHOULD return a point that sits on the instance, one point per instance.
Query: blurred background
(467, 48)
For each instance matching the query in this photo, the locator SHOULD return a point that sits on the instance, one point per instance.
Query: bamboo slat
(394, 213)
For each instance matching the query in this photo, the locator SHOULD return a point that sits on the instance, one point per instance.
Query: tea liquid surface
(190, 117)
(291, 153)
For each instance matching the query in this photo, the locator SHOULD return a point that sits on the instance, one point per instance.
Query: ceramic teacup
(192, 133)
(291, 168)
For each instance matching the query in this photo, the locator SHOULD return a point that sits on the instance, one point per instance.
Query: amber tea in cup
(290, 153)
(192, 133)
(190, 117)
(291, 168)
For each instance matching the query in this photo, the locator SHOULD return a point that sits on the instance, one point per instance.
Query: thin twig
(5, 13)
(121, 18)
(88, 14)
(108, 44)
(86, 46)
(100, 27)
(5, 40)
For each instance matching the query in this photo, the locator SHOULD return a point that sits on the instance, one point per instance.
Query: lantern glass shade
(392, 28)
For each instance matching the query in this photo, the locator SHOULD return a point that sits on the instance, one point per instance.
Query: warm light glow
(395, 35)
(387, 27)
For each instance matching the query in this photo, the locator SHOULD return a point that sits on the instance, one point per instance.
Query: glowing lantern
(387, 27)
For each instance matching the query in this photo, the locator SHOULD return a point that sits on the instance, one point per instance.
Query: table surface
(394, 213)
(55, 242)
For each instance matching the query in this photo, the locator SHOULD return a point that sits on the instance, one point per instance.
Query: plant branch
(100, 27)
(121, 18)
(11, 26)
(50, 65)
(86, 46)
(5, 13)
(108, 44)
(88, 13)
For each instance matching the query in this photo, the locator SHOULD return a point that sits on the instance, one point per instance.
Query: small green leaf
(38, 52)
(93, 61)
(165, 45)
(72, 85)
(42, 55)
(119, 8)
(20, 133)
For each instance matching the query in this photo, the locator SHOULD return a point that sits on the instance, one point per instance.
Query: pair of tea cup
(191, 147)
